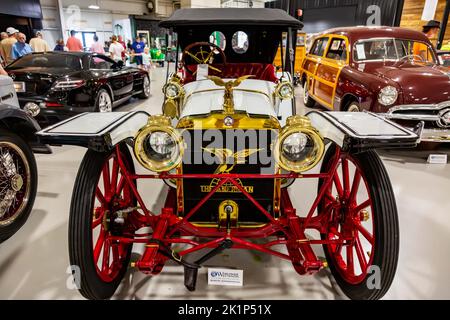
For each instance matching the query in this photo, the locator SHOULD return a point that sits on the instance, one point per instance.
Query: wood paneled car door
(323, 66)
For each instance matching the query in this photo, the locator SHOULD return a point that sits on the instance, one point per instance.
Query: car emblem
(228, 121)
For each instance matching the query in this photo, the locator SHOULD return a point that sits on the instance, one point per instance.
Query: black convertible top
(231, 16)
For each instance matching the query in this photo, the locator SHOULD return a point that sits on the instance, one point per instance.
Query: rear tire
(359, 282)
(145, 94)
(16, 155)
(308, 101)
(103, 102)
(88, 216)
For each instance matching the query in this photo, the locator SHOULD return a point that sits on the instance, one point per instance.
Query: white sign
(361, 51)
(225, 277)
(437, 159)
(429, 10)
(202, 71)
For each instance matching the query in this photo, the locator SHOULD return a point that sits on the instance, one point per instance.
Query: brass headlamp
(284, 91)
(158, 146)
(299, 147)
(174, 93)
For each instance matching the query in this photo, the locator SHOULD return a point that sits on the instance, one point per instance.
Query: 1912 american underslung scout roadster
(229, 145)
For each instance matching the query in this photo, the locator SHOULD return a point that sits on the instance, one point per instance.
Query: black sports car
(54, 86)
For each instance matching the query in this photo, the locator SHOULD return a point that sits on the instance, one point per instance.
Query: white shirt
(116, 50)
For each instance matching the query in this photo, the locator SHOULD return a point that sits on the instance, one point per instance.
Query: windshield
(393, 49)
(47, 60)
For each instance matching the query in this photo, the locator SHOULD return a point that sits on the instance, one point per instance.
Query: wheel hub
(16, 182)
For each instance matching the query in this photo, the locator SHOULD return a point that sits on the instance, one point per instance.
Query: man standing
(38, 44)
(138, 48)
(20, 48)
(431, 30)
(73, 43)
(6, 44)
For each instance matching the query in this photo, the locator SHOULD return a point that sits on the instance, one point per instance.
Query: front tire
(308, 101)
(98, 195)
(18, 183)
(364, 212)
(353, 106)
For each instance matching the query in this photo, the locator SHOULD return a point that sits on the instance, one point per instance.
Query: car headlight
(158, 146)
(32, 109)
(68, 84)
(299, 147)
(172, 90)
(388, 96)
(284, 91)
(444, 118)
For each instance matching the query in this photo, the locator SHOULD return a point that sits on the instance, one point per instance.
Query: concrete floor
(34, 263)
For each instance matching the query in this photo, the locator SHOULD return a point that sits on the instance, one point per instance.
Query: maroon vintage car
(387, 70)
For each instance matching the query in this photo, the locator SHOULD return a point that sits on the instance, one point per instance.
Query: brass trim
(215, 120)
(299, 124)
(158, 123)
(223, 215)
(280, 85)
(228, 98)
(220, 89)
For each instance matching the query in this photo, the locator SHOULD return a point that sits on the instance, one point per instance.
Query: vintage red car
(380, 69)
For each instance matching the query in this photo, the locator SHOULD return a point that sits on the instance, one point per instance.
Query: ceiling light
(94, 6)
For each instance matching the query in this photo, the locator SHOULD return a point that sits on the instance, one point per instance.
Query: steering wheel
(413, 56)
(203, 56)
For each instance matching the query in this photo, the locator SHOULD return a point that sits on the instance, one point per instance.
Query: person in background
(3, 35)
(2, 71)
(38, 44)
(59, 45)
(120, 40)
(115, 49)
(431, 30)
(6, 44)
(97, 47)
(138, 47)
(73, 43)
(147, 60)
(20, 48)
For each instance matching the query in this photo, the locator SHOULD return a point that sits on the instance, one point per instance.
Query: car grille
(411, 115)
(194, 162)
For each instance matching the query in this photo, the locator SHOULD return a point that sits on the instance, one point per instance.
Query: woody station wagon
(387, 70)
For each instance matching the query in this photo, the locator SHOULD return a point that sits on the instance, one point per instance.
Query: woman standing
(115, 49)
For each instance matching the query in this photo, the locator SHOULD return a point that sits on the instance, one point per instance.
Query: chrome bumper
(436, 116)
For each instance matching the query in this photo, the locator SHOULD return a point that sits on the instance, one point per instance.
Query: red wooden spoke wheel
(102, 207)
(360, 213)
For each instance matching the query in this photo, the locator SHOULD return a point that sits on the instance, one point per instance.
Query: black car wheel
(307, 100)
(361, 208)
(103, 102)
(145, 94)
(18, 183)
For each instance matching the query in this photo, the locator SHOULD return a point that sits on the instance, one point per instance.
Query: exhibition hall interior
(224, 150)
